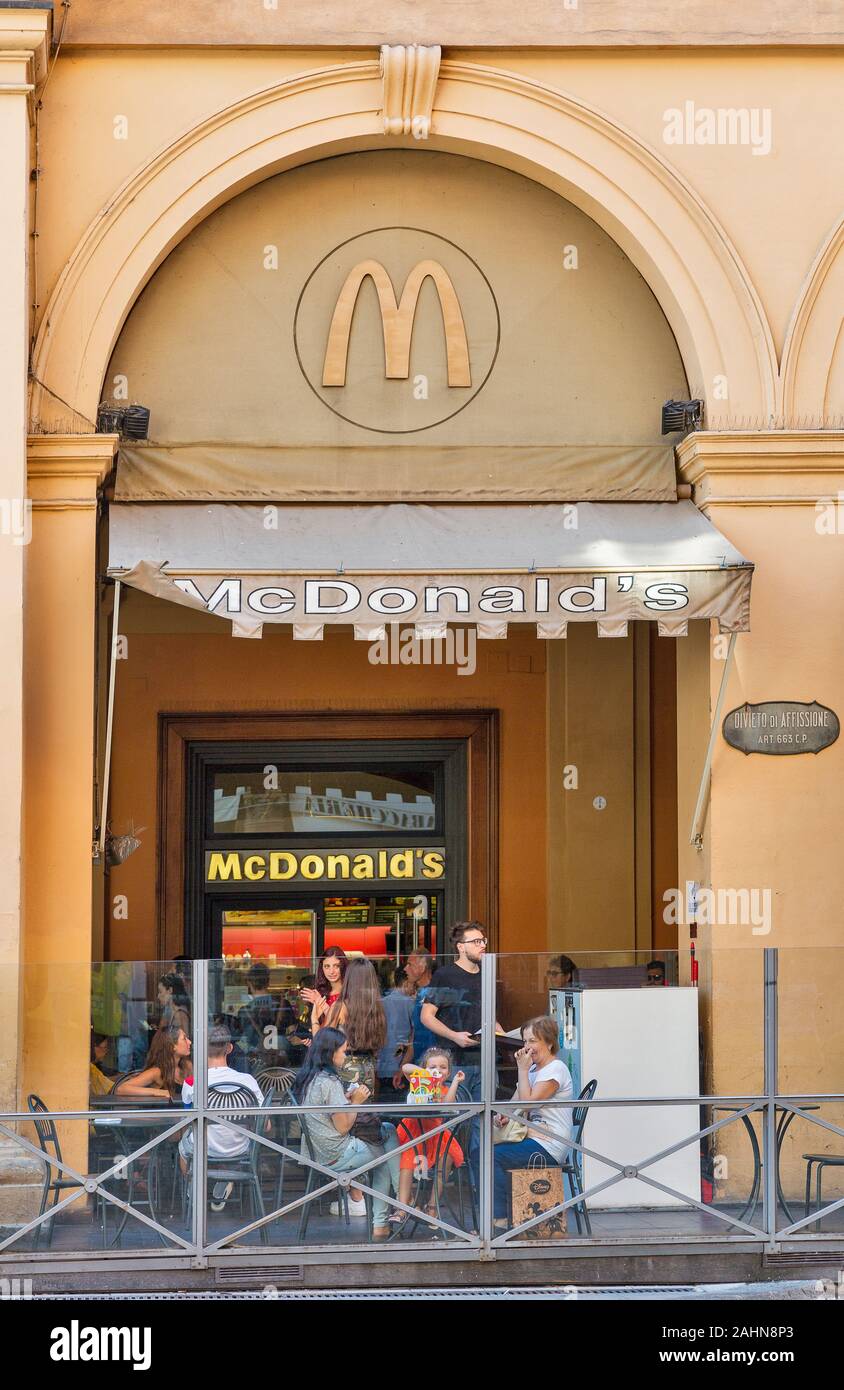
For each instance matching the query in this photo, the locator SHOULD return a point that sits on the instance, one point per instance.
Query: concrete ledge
(463, 23)
(118, 1276)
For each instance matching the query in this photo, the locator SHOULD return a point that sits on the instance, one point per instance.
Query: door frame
(452, 797)
(179, 732)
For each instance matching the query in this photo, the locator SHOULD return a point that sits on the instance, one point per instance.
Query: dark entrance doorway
(282, 834)
(301, 845)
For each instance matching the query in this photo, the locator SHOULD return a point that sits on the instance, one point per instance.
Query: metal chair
(275, 1082)
(314, 1178)
(463, 1135)
(571, 1167)
(48, 1139)
(278, 1080)
(822, 1161)
(242, 1171)
(426, 1189)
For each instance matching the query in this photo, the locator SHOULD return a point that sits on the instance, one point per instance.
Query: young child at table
(430, 1083)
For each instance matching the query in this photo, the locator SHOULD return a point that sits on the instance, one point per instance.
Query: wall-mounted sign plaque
(781, 727)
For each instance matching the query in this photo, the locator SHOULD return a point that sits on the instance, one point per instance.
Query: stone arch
(624, 185)
(813, 353)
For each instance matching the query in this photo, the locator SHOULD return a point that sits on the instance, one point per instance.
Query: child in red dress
(430, 1083)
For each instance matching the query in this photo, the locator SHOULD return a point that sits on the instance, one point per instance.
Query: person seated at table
(100, 1079)
(431, 1083)
(318, 1083)
(165, 1068)
(223, 1141)
(541, 1076)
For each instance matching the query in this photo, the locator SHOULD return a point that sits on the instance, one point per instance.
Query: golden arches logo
(397, 322)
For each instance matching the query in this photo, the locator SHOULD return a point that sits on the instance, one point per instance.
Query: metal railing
(271, 1229)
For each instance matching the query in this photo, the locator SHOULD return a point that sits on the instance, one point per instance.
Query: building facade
(419, 612)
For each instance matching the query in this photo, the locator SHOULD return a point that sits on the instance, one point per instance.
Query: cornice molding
(24, 46)
(759, 468)
(75, 463)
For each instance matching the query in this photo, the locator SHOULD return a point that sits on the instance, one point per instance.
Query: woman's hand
(499, 1121)
(360, 1095)
(313, 996)
(524, 1061)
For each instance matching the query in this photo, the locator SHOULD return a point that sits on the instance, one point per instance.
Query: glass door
(383, 924)
(281, 934)
(292, 932)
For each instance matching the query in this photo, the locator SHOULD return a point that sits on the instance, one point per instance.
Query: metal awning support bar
(112, 665)
(695, 836)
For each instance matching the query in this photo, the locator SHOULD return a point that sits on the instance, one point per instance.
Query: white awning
(551, 564)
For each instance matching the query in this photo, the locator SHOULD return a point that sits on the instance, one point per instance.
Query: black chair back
(231, 1097)
(45, 1127)
(580, 1113)
(276, 1081)
(125, 1076)
(459, 1128)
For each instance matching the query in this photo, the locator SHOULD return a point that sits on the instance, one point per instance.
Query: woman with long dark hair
(359, 1012)
(334, 1146)
(165, 1069)
(330, 974)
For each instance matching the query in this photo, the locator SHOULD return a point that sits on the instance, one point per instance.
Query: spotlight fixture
(681, 415)
(129, 421)
(109, 418)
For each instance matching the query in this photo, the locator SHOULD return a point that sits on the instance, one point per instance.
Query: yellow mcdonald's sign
(397, 322)
(305, 866)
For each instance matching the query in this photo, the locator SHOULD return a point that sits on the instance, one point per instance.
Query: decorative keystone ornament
(409, 72)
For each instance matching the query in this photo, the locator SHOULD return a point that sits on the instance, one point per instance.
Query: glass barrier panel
(119, 1037)
(136, 1203)
(811, 1164)
(811, 1021)
(600, 1160)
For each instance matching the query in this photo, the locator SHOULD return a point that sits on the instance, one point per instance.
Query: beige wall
(772, 822)
(592, 897)
(23, 51)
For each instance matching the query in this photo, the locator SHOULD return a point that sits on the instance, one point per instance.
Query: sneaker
(220, 1194)
(355, 1208)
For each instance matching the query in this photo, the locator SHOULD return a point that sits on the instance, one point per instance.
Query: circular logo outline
(375, 429)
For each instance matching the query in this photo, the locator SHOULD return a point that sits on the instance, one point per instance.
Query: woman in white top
(542, 1076)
